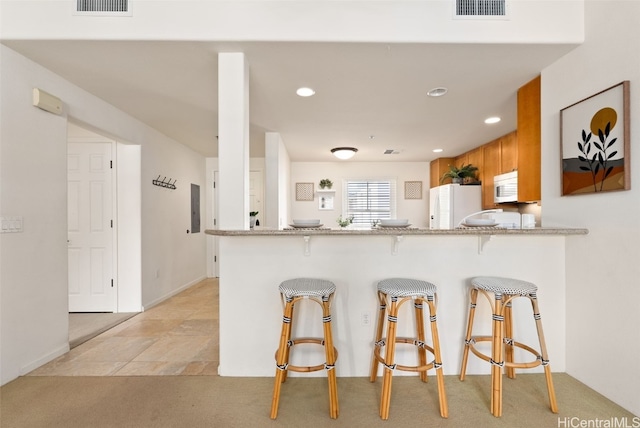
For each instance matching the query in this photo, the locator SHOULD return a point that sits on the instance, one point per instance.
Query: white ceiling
(369, 96)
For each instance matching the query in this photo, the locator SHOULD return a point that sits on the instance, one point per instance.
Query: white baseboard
(172, 293)
(44, 360)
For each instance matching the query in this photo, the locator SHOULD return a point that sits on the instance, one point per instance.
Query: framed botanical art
(595, 143)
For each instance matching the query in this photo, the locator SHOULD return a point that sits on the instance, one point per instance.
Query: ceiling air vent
(391, 152)
(483, 8)
(103, 6)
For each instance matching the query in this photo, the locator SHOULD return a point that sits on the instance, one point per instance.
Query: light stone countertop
(474, 231)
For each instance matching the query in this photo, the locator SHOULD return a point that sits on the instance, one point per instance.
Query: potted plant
(252, 218)
(457, 175)
(326, 183)
(344, 222)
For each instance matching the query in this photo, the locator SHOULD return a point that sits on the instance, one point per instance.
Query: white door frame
(127, 244)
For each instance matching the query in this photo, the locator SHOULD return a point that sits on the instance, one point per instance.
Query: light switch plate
(12, 224)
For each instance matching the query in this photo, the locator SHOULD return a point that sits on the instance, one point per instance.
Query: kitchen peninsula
(252, 264)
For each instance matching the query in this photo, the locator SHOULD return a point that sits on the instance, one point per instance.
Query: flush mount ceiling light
(344, 152)
(305, 92)
(437, 150)
(437, 92)
(491, 120)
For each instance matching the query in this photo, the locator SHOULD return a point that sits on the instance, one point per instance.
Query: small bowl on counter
(306, 223)
(394, 222)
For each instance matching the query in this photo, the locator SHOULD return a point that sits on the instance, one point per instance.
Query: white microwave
(505, 187)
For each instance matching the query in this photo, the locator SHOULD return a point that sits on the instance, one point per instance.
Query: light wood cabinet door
(491, 168)
(509, 152)
(529, 142)
(475, 158)
(437, 168)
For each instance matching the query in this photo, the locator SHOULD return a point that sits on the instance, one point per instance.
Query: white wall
(416, 210)
(393, 21)
(603, 339)
(33, 264)
(355, 264)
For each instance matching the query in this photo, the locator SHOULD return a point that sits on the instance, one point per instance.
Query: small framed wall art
(304, 191)
(595, 143)
(413, 189)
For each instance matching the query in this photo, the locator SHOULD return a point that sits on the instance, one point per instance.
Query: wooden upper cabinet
(491, 167)
(529, 142)
(437, 168)
(476, 158)
(462, 159)
(509, 152)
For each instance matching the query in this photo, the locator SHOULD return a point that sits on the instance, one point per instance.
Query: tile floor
(177, 337)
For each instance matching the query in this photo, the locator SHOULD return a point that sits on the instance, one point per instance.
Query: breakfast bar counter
(476, 231)
(252, 263)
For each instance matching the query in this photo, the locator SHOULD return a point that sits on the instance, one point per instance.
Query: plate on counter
(480, 222)
(306, 226)
(394, 222)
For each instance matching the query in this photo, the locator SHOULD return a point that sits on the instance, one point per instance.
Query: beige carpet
(212, 401)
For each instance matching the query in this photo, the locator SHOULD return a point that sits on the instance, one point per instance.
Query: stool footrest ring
(519, 365)
(307, 369)
(409, 341)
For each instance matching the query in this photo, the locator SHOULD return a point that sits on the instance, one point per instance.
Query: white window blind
(368, 200)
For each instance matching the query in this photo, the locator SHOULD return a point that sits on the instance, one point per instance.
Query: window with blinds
(369, 200)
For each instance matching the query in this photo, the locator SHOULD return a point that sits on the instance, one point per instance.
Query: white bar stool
(321, 292)
(502, 343)
(419, 292)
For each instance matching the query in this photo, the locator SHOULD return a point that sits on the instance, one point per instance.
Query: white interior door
(90, 227)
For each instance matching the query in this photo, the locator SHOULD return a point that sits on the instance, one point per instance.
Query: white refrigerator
(450, 203)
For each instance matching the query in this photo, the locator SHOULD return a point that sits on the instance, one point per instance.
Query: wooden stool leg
(422, 353)
(553, 404)
(330, 357)
(508, 340)
(472, 312)
(497, 359)
(442, 396)
(389, 365)
(379, 330)
(282, 356)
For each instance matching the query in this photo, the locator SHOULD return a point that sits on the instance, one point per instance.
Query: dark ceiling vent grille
(481, 8)
(103, 5)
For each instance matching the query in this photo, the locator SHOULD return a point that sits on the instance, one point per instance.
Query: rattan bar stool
(321, 292)
(398, 291)
(502, 343)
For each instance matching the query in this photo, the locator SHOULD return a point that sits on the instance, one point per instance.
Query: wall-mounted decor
(413, 189)
(595, 142)
(325, 200)
(304, 191)
(167, 184)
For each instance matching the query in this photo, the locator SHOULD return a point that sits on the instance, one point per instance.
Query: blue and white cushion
(404, 287)
(310, 287)
(500, 285)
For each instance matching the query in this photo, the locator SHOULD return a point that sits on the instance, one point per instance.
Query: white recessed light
(491, 120)
(437, 150)
(305, 92)
(437, 92)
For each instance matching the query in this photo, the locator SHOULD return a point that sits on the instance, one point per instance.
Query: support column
(233, 141)
(277, 181)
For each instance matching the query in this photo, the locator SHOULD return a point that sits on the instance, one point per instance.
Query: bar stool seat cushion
(500, 285)
(404, 287)
(311, 287)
